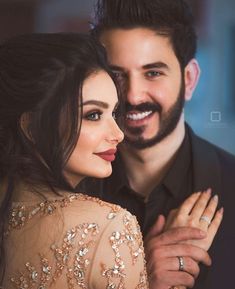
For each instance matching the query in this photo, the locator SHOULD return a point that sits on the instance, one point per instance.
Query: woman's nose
(116, 134)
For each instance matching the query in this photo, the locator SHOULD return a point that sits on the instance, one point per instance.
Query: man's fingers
(177, 235)
(172, 264)
(183, 250)
(156, 229)
(171, 279)
(190, 266)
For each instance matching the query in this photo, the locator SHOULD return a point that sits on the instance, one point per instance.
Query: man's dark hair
(170, 18)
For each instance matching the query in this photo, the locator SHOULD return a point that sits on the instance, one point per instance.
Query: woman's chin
(103, 174)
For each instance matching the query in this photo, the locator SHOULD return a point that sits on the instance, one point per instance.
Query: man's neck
(146, 168)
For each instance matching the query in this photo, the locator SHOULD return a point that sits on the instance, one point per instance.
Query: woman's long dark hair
(41, 78)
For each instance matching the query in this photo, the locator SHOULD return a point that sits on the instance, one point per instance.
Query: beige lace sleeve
(76, 242)
(119, 258)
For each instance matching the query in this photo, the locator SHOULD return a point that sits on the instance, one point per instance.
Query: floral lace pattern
(72, 257)
(130, 237)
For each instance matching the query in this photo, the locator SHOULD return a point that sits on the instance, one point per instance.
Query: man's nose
(135, 92)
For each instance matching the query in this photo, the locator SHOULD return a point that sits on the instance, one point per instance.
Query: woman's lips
(108, 155)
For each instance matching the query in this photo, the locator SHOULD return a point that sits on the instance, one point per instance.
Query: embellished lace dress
(73, 242)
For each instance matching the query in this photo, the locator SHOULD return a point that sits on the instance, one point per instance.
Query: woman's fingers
(214, 226)
(208, 213)
(188, 204)
(200, 205)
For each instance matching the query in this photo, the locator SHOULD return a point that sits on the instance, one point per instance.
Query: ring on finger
(205, 219)
(181, 263)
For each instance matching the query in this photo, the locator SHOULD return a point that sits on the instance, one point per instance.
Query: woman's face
(99, 135)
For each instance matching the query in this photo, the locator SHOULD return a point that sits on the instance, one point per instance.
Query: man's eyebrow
(155, 65)
(96, 102)
(158, 64)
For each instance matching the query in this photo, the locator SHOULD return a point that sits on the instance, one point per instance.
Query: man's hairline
(157, 32)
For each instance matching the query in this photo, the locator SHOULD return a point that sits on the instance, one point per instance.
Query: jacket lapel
(206, 165)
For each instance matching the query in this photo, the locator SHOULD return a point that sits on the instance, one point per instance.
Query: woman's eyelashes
(96, 115)
(93, 115)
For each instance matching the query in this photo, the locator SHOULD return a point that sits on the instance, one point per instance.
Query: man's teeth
(138, 116)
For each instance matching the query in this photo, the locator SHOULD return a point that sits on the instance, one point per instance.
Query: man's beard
(167, 121)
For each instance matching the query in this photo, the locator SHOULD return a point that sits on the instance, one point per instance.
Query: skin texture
(99, 130)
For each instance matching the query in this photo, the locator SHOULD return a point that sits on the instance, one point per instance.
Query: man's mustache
(146, 106)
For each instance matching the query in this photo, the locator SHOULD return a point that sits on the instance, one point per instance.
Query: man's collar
(172, 181)
(193, 151)
(179, 168)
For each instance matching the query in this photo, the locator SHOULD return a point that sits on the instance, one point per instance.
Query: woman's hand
(198, 211)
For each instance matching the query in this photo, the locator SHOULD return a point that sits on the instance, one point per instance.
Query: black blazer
(215, 168)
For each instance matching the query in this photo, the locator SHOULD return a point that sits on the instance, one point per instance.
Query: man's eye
(153, 73)
(93, 116)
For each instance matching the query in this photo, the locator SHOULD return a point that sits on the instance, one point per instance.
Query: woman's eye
(93, 116)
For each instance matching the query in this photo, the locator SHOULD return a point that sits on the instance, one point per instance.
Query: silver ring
(181, 263)
(206, 219)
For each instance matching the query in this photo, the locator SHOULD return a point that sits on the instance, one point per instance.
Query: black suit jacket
(215, 168)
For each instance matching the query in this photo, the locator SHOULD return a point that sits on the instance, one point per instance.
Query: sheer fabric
(73, 242)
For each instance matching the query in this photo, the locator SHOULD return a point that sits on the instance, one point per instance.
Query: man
(151, 48)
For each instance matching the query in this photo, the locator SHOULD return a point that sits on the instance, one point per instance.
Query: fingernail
(215, 198)
(209, 190)
(221, 211)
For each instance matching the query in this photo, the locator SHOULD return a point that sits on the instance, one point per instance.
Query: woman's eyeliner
(93, 116)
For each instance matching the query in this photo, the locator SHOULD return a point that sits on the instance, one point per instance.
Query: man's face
(155, 88)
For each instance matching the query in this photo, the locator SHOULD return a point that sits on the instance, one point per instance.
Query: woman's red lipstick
(108, 155)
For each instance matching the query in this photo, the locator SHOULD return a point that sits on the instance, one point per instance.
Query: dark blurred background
(211, 112)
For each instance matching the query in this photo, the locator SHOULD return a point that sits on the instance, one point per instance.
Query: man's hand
(162, 250)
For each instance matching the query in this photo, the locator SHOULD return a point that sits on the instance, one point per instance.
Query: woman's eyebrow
(96, 102)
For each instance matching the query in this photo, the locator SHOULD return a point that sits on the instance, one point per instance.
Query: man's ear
(191, 77)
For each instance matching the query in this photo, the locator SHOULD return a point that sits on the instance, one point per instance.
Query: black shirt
(169, 194)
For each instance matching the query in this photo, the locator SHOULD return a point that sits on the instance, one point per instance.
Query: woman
(57, 107)
(58, 104)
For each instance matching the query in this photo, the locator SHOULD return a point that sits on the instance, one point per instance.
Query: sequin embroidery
(130, 237)
(72, 256)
